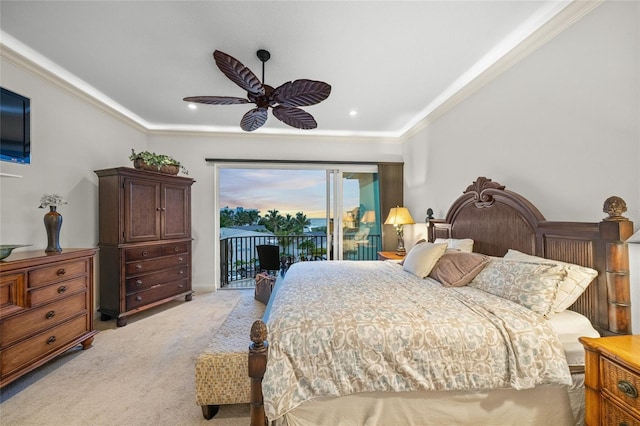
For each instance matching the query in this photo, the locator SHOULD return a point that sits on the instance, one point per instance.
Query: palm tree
(301, 218)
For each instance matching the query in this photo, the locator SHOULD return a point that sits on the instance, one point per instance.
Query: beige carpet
(140, 374)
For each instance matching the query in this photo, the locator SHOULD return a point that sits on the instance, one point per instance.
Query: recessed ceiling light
(353, 113)
(193, 106)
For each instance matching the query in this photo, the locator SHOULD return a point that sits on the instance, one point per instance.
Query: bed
(339, 352)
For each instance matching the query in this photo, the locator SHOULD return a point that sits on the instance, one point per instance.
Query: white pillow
(422, 258)
(464, 244)
(570, 288)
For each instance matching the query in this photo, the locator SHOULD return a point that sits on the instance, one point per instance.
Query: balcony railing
(239, 256)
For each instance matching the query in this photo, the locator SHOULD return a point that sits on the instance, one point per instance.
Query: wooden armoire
(144, 240)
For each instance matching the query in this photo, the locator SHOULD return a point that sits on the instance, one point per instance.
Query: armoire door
(175, 211)
(142, 210)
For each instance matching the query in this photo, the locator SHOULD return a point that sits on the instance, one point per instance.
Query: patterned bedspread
(340, 327)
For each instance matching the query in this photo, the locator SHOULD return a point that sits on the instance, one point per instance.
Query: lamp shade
(369, 217)
(399, 216)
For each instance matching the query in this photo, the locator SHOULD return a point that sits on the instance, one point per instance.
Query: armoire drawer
(35, 320)
(18, 355)
(142, 253)
(42, 295)
(160, 263)
(61, 271)
(153, 294)
(145, 281)
(176, 248)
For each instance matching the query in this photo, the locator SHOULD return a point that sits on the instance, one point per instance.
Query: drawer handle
(60, 272)
(138, 298)
(50, 314)
(62, 289)
(139, 283)
(627, 389)
(144, 253)
(51, 339)
(138, 266)
(180, 260)
(176, 249)
(180, 285)
(181, 272)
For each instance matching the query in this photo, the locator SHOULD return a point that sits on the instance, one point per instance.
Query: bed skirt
(543, 405)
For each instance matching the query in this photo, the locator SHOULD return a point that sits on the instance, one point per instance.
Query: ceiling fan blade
(253, 119)
(295, 117)
(301, 93)
(238, 73)
(216, 100)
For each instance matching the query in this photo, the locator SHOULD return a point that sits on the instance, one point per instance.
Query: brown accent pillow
(457, 269)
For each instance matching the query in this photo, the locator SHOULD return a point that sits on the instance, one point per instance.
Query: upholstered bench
(221, 369)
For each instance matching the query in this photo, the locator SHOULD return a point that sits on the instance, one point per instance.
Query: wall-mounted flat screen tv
(15, 127)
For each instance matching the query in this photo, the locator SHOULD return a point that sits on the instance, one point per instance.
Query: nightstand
(612, 380)
(389, 255)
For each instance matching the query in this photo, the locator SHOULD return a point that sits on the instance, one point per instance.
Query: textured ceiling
(391, 61)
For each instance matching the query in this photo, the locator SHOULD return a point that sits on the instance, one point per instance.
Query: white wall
(561, 127)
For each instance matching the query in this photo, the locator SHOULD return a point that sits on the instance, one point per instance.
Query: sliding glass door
(353, 207)
(313, 212)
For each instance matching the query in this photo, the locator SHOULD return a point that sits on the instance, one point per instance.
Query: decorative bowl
(6, 249)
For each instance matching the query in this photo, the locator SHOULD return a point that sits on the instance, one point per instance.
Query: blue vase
(53, 223)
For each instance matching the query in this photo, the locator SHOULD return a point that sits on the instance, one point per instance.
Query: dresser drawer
(41, 344)
(60, 271)
(38, 319)
(153, 294)
(145, 281)
(621, 383)
(142, 267)
(56, 291)
(613, 415)
(142, 253)
(176, 248)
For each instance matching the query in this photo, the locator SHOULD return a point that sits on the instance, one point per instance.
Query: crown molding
(30, 61)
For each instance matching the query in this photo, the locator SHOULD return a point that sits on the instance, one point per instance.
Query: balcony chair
(269, 258)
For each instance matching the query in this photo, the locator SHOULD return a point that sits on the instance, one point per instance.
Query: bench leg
(208, 411)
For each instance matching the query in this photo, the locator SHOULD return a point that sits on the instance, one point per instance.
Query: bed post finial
(614, 207)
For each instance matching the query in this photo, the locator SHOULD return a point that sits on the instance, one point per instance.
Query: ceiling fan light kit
(284, 100)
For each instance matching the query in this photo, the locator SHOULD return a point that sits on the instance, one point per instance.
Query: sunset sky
(288, 191)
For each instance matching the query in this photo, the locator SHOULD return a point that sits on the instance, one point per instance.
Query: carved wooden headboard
(498, 219)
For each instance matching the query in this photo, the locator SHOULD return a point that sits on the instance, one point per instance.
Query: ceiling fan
(284, 99)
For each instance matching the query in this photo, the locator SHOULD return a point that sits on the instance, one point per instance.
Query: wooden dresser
(144, 240)
(612, 380)
(46, 307)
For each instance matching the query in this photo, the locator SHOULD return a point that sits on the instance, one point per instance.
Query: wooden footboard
(257, 366)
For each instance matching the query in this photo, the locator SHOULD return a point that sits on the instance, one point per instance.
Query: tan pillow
(457, 269)
(417, 242)
(422, 258)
